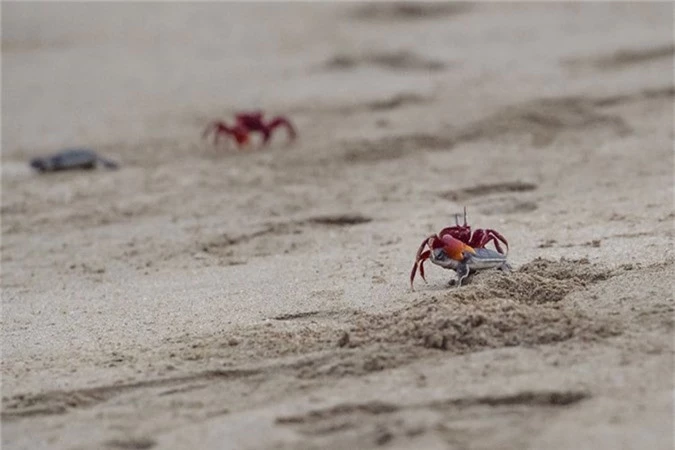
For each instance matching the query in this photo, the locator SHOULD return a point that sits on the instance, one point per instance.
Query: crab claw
(420, 257)
(425, 255)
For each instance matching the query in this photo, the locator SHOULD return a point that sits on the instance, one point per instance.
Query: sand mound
(497, 310)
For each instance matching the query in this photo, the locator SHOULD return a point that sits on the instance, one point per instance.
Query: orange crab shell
(452, 247)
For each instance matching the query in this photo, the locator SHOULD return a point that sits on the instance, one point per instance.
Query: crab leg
(497, 246)
(425, 256)
(217, 128)
(420, 257)
(276, 122)
(497, 236)
(482, 237)
(420, 262)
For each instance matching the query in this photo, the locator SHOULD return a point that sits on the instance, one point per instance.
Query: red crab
(248, 122)
(457, 241)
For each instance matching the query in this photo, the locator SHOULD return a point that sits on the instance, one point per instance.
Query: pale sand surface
(205, 298)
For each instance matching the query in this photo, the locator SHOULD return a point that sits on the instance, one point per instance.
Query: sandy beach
(209, 298)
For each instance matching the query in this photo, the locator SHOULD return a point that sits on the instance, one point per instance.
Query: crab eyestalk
(457, 219)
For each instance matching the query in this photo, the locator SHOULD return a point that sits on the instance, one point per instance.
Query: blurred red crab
(244, 124)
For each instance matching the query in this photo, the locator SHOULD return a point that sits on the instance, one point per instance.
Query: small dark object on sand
(69, 159)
